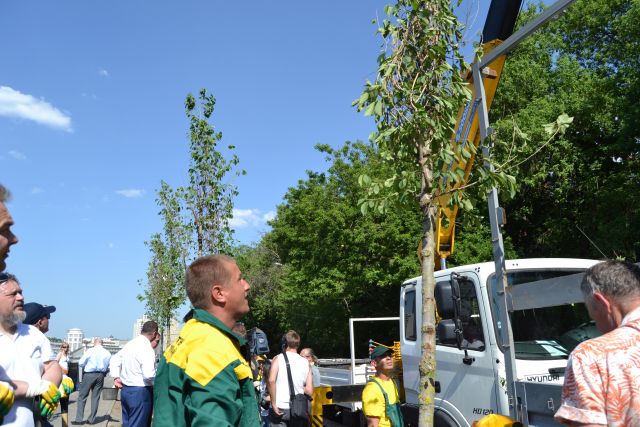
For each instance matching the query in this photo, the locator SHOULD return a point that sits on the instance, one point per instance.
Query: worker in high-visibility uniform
(380, 398)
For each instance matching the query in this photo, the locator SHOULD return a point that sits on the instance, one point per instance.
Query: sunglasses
(4, 278)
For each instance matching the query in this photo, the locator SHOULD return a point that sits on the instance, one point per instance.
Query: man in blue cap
(380, 399)
(38, 315)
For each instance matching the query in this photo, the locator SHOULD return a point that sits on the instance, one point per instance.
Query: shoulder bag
(298, 403)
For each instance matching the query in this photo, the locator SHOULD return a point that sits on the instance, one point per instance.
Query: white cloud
(131, 193)
(243, 218)
(17, 155)
(103, 73)
(22, 106)
(37, 190)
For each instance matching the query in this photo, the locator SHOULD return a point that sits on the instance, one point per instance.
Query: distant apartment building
(75, 337)
(173, 333)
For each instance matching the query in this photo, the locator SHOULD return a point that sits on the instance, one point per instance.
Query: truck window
(473, 336)
(410, 315)
(546, 333)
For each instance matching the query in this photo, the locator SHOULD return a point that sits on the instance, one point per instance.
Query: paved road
(109, 411)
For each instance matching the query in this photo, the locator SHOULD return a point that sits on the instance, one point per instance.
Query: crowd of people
(206, 378)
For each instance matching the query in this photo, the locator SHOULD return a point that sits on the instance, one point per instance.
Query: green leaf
(370, 109)
(378, 108)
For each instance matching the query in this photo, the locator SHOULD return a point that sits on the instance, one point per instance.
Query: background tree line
(323, 261)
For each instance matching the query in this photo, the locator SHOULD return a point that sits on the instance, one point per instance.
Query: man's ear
(602, 301)
(218, 294)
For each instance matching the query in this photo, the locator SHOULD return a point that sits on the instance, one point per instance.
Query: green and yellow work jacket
(203, 379)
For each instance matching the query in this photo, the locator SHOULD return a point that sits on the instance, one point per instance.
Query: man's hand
(48, 394)
(49, 400)
(277, 410)
(7, 398)
(117, 382)
(66, 386)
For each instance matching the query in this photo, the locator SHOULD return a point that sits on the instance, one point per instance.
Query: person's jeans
(91, 382)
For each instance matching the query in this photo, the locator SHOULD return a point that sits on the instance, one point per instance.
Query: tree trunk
(427, 366)
(168, 335)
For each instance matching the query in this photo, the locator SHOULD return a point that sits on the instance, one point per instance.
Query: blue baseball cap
(36, 312)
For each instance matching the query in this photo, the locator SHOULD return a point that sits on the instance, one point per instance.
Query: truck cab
(548, 320)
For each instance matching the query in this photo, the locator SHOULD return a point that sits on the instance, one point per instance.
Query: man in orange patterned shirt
(602, 379)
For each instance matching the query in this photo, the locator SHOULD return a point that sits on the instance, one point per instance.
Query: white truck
(548, 320)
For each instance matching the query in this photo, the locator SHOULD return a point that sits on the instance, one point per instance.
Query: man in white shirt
(134, 368)
(38, 315)
(301, 378)
(25, 359)
(95, 364)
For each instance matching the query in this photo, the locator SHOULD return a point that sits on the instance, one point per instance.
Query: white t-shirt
(135, 364)
(299, 371)
(64, 362)
(22, 358)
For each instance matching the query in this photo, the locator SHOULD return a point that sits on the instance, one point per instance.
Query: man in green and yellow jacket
(203, 379)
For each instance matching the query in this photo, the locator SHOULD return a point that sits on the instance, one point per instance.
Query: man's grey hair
(10, 278)
(5, 194)
(616, 279)
(14, 318)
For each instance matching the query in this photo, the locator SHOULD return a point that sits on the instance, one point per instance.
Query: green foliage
(587, 66)
(195, 217)
(324, 262)
(414, 101)
(208, 197)
(473, 242)
(262, 267)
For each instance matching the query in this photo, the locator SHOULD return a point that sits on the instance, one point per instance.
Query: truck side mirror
(443, 294)
(446, 331)
(447, 295)
(448, 302)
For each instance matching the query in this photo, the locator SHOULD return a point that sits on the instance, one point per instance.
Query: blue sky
(92, 118)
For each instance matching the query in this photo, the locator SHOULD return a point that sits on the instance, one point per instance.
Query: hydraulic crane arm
(499, 25)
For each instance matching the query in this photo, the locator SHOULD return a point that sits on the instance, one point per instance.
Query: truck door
(467, 389)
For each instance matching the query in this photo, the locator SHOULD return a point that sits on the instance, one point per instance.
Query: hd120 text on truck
(505, 328)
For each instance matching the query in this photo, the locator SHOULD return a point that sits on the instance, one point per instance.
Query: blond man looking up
(203, 379)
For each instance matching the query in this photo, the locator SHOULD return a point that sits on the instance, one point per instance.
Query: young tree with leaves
(208, 197)
(414, 100)
(418, 91)
(195, 217)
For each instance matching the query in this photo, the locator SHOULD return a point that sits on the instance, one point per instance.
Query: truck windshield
(551, 332)
(547, 333)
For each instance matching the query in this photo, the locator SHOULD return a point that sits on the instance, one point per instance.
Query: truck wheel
(442, 419)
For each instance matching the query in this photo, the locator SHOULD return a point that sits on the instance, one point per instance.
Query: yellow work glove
(66, 386)
(49, 400)
(6, 399)
(47, 394)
